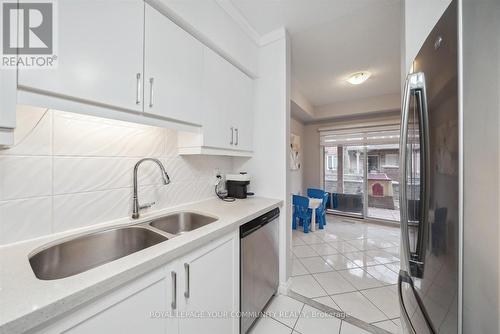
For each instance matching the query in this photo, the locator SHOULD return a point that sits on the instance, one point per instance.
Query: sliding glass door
(344, 178)
(383, 182)
(361, 172)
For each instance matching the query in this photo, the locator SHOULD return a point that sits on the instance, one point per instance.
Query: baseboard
(284, 287)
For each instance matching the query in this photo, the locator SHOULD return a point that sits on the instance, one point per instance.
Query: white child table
(314, 203)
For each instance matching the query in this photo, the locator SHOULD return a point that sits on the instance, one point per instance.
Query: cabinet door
(137, 307)
(173, 68)
(216, 95)
(100, 54)
(242, 110)
(210, 287)
(227, 104)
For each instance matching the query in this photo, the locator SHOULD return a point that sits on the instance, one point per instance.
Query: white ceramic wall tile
(170, 142)
(22, 177)
(86, 164)
(81, 174)
(25, 219)
(33, 133)
(79, 135)
(179, 169)
(83, 209)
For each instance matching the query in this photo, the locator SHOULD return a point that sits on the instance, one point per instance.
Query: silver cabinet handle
(174, 290)
(237, 136)
(232, 136)
(186, 269)
(138, 92)
(151, 92)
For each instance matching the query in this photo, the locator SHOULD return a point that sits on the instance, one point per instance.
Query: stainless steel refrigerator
(429, 148)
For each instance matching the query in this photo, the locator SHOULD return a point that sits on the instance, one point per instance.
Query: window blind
(386, 134)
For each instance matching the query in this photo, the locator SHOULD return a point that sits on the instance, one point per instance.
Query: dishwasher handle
(257, 223)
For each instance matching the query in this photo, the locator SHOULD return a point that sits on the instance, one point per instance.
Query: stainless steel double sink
(88, 251)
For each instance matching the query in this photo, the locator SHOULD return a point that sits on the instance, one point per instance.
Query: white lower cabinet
(197, 293)
(210, 288)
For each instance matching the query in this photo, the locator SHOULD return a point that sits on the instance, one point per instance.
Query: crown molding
(237, 16)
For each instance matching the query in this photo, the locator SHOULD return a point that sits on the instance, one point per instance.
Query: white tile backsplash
(33, 135)
(68, 170)
(78, 135)
(25, 219)
(23, 177)
(83, 209)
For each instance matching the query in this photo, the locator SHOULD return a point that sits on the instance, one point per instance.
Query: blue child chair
(321, 210)
(301, 212)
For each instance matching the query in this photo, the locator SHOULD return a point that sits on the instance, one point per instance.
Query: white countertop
(26, 302)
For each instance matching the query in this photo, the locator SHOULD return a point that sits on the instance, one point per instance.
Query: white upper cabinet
(100, 54)
(216, 79)
(125, 55)
(242, 110)
(227, 105)
(173, 66)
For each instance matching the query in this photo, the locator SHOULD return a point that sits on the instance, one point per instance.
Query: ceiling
(332, 39)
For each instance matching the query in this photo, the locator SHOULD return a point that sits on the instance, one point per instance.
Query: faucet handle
(146, 205)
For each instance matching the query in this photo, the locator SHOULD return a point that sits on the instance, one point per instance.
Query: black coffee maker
(236, 185)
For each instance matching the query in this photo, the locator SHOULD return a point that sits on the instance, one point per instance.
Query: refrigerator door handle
(403, 143)
(404, 277)
(406, 318)
(414, 86)
(420, 92)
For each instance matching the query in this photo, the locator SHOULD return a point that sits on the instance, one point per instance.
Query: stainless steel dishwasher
(258, 266)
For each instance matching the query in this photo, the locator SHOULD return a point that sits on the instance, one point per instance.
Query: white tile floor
(287, 315)
(350, 266)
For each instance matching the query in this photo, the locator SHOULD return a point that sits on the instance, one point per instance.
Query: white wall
(481, 114)
(300, 99)
(68, 170)
(297, 128)
(420, 16)
(269, 166)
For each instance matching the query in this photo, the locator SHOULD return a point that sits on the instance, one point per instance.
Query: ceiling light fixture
(358, 78)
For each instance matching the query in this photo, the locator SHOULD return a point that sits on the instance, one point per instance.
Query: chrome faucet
(166, 180)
